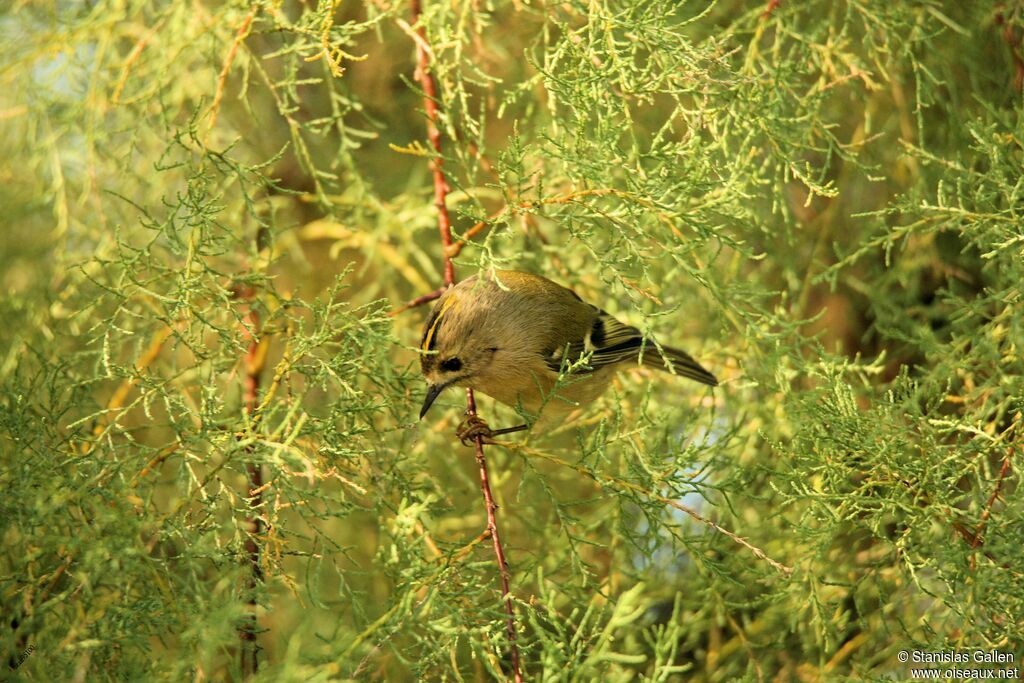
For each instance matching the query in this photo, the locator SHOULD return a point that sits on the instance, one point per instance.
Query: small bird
(512, 336)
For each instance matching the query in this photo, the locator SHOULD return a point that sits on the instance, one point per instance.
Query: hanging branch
(429, 86)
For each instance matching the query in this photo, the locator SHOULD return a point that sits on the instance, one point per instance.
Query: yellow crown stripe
(449, 302)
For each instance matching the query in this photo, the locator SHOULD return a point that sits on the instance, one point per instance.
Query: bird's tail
(678, 362)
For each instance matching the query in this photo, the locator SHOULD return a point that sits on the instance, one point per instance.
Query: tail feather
(678, 362)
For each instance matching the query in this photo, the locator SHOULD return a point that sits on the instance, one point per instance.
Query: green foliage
(822, 201)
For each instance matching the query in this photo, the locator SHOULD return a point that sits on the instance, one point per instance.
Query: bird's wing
(606, 339)
(611, 342)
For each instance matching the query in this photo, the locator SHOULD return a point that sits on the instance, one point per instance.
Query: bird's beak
(433, 391)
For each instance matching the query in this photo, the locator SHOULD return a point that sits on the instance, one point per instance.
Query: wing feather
(610, 342)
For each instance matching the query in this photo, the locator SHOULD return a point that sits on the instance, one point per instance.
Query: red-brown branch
(241, 35)
(499, 553)
(429, 86)
(418, 301)
(987, 512)
(254, 473)
(1013, 41)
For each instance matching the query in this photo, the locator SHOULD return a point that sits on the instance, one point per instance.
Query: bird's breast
(534, 388)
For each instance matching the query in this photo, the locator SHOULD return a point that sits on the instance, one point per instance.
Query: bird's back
(532, 312)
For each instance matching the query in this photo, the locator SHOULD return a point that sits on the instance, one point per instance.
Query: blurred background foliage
(821, 200)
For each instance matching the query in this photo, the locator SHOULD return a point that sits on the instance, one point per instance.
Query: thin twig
(1003, 471)
(418, 301)
(429, 86)
(499, 553)
(453, 250)
(987, 512)
(771, 7)
(133, 57)
(640, 290)
(154, 463)
(242, 34)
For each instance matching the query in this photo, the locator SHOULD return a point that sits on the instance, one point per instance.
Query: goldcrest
(513, 336)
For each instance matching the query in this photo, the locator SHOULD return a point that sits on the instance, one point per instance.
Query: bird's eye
(451, 365)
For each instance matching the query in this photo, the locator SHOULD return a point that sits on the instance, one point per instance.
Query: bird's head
(458, 345)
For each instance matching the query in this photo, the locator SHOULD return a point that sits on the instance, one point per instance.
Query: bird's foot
(474, 426)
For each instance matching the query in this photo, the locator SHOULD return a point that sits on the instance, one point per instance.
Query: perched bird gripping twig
(512, 336)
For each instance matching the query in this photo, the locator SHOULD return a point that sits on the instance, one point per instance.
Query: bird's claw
(474, 426)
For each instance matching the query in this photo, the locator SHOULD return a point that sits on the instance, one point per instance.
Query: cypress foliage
(214, 212)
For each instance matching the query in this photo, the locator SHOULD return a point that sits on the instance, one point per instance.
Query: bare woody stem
(1013, 42)
(254, 475)
(418, 301)
(429, 86)
(1004, 470)
(499, 553)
